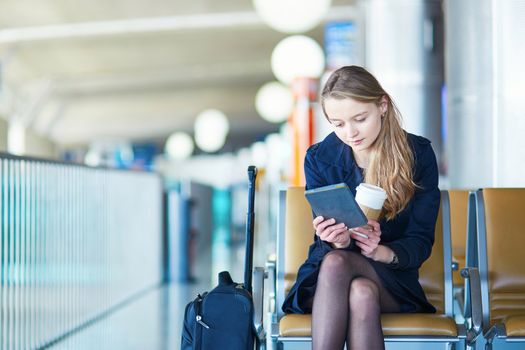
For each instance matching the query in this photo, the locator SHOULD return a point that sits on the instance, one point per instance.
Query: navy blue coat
(410, 234)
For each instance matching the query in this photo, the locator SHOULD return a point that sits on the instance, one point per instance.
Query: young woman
(348, 281)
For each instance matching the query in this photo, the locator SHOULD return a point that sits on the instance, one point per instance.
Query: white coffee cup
(370, 199)
(370, 196)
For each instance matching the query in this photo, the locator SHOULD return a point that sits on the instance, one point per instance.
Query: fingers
(324, 225)
(375, 225)
(365, 249)
(367, 245)
(328, 231)
(332, 230)
(359, 237)
(373, 244)
(371, 235)
(317, 221)
(338, 236)
(372, 230)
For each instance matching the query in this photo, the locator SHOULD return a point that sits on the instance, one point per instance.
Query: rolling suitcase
(223, 317)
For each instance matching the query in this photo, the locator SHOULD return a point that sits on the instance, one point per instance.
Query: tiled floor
(152, 322)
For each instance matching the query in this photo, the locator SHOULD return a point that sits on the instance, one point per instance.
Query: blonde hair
(391, 158)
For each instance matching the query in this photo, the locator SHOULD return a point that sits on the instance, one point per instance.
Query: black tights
(348, 302)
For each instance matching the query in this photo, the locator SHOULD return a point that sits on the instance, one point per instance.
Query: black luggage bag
(223, 318)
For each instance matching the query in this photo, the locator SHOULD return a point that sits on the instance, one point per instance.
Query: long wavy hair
(391, 158)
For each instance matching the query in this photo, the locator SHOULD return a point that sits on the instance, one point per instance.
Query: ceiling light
(179, 146)
(297, 56)
(211, 129)
(274, 102)
(292, 16)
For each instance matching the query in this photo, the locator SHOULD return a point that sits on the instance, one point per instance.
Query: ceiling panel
(140, 85)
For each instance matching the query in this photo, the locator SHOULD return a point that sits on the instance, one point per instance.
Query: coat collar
(334, 152)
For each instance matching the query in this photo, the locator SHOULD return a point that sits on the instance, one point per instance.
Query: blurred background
(127, 128)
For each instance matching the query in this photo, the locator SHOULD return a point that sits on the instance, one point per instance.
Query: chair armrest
(475, 311)
(258, 301)
(272, 287)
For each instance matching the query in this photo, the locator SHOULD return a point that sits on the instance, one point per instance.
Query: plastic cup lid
(370, 195)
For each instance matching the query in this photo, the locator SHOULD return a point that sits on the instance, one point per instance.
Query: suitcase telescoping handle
(252, 175)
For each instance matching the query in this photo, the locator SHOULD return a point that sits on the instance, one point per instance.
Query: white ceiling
(84, 70)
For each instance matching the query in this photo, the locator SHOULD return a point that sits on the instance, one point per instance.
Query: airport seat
(295, 235)
(458, 232)
(499, 255)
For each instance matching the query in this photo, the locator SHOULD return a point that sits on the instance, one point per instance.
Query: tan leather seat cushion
(515, 326)
(504, 219)
(295, 325)
(506, 304)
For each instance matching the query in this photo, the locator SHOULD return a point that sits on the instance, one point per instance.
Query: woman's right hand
(336, 234)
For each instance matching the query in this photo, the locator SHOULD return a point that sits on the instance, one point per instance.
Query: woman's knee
(363, 293)
(337, 260)
(335, 269)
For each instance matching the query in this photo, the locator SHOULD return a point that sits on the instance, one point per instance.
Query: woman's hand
(369, 246)
(328, 231)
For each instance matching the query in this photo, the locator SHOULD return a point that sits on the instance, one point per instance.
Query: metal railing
(75, 242)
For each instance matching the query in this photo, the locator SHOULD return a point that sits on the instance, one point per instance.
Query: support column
(404, 50)
(485, 77)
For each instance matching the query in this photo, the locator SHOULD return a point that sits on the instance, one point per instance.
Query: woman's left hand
(368, 245)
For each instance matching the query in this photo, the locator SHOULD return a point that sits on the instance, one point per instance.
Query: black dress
(410, 234)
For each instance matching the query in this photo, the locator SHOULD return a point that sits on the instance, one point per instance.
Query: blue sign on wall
(340, 44)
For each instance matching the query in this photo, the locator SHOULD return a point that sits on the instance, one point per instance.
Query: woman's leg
(331, 307)
(364, 325)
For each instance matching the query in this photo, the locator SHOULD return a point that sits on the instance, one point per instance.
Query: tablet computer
(336, 202)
